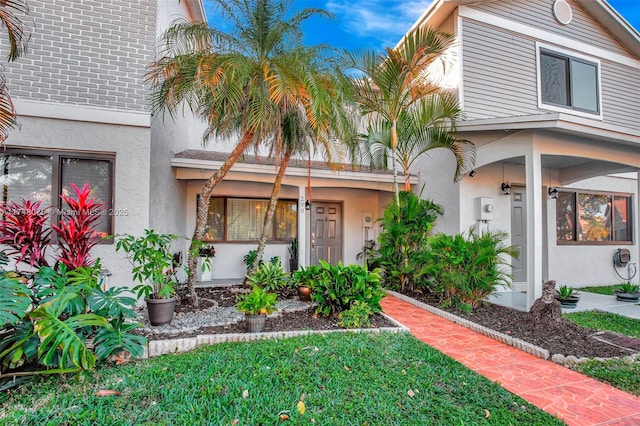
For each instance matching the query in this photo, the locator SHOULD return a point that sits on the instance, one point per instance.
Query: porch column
(302, 227)
(635, 215)
(533, 170)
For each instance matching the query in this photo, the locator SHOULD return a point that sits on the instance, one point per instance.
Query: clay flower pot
(161, 310)
(304, 293)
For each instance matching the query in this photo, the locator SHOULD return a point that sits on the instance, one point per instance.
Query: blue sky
(379, 23)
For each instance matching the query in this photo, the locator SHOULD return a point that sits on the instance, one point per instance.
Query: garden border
(170, 346)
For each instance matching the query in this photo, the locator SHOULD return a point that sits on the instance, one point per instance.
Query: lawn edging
(501, 337)
(170, 346)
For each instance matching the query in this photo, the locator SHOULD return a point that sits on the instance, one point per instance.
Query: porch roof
(192, 163)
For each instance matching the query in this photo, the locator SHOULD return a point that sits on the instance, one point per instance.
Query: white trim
(556, 39)
(86, 113)
(458, 32)
(569, 54)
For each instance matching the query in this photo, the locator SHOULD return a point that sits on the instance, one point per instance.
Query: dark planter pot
(293, 265)
(304, 293)
(568, 302)
(161, 310)
(627, 297)
(255, 323)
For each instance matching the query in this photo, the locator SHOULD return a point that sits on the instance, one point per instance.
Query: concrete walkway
(571, 396)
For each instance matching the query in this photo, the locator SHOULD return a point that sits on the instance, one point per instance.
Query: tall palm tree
(389, 82)
(237, 81)
(317, 125)
(18, 40)
(428, 124)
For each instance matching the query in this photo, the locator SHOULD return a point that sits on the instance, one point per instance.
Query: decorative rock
(558, 358)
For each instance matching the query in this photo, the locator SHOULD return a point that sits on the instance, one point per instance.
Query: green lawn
(348, 379)
(621, 374)
(607, 289)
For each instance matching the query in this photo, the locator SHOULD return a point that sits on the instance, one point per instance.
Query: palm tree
(428, 124)
(390, 82)
(318, 124)
(237, 81)
(18, 39)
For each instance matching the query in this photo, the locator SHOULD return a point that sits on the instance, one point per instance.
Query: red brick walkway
(573, 397)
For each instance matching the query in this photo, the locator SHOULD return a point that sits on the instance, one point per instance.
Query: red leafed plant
(23, 227)
(76, 230)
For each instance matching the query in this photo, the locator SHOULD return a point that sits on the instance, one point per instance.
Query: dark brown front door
(326, 232)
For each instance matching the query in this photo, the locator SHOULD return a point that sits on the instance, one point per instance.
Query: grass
(348, 379)
(621, 374)
(607, 289)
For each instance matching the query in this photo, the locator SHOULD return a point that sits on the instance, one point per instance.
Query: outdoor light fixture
(472, 173)
(307, 205)
(553, 192)
(506, 188)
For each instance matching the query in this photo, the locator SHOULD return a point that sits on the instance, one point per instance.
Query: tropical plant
(393, 80)
(293, 249)
(627, 287)
(565, 292)
(336, 287)
(18, 38)
(357, 316)
(368, 255)
(153, 263)
(24, 228)
(463, 270)
(238, 81)
(428, 124)
(269, 276)
(403, 240)
(257, 302)
(250, 258)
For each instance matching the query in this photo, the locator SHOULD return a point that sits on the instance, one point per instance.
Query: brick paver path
(573, 397)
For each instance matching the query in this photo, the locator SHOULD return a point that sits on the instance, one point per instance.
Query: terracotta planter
(255, 323)
(160, 310)
(627, 297)
(304, 293)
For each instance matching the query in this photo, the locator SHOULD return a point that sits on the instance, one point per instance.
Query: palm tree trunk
(203, 208)
(394, 146)
(407, 183)
(273, 202)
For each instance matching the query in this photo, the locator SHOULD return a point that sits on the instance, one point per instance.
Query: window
(593, 218)
(242, 219)
(44, 175)
(569, 82)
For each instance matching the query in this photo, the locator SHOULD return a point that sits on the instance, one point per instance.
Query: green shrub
(269, 276)
(257, 302)
(404, 239)
(464, 270)
(357, 316)
(336, 287)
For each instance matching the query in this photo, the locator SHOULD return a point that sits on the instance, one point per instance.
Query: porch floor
(588, 302)
(573, 397)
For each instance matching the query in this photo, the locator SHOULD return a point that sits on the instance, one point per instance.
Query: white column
(635, 215)
(302, 227)
(533, 170)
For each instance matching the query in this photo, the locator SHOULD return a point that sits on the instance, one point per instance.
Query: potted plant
(293, 255)
(567, 296)
(204, 252)
(628, 292)
(303, 280)
(154, 268)
(256, 305)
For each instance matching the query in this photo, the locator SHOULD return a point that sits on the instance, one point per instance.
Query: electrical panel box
(484, 209)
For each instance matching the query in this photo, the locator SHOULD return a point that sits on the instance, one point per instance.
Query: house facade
(550, 90)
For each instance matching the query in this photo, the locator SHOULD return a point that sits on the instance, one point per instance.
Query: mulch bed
(564, 337)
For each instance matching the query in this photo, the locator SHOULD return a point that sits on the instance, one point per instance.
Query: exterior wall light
(553, 192)
(472, 173)
(307, 205)
(506, 188)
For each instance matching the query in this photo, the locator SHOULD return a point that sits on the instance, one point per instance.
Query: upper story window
(593, 218)
(569, 82)
(242, 219)
(43, 175)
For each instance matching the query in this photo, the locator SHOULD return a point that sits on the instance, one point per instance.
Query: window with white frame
(44, 175)
(569, 82)
(593, 218)
(242, 219)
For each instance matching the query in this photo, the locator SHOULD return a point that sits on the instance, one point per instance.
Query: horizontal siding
(499, 73)
(539, 14)
(620, 95)
(89, 52)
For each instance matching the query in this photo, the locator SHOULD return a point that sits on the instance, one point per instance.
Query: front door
(326, 232)
(519, 233)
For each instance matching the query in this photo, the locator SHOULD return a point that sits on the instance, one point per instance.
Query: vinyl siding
(539, 14)
(499, 73)
(620, 95)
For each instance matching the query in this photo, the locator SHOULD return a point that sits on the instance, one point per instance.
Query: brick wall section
(86, 52)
